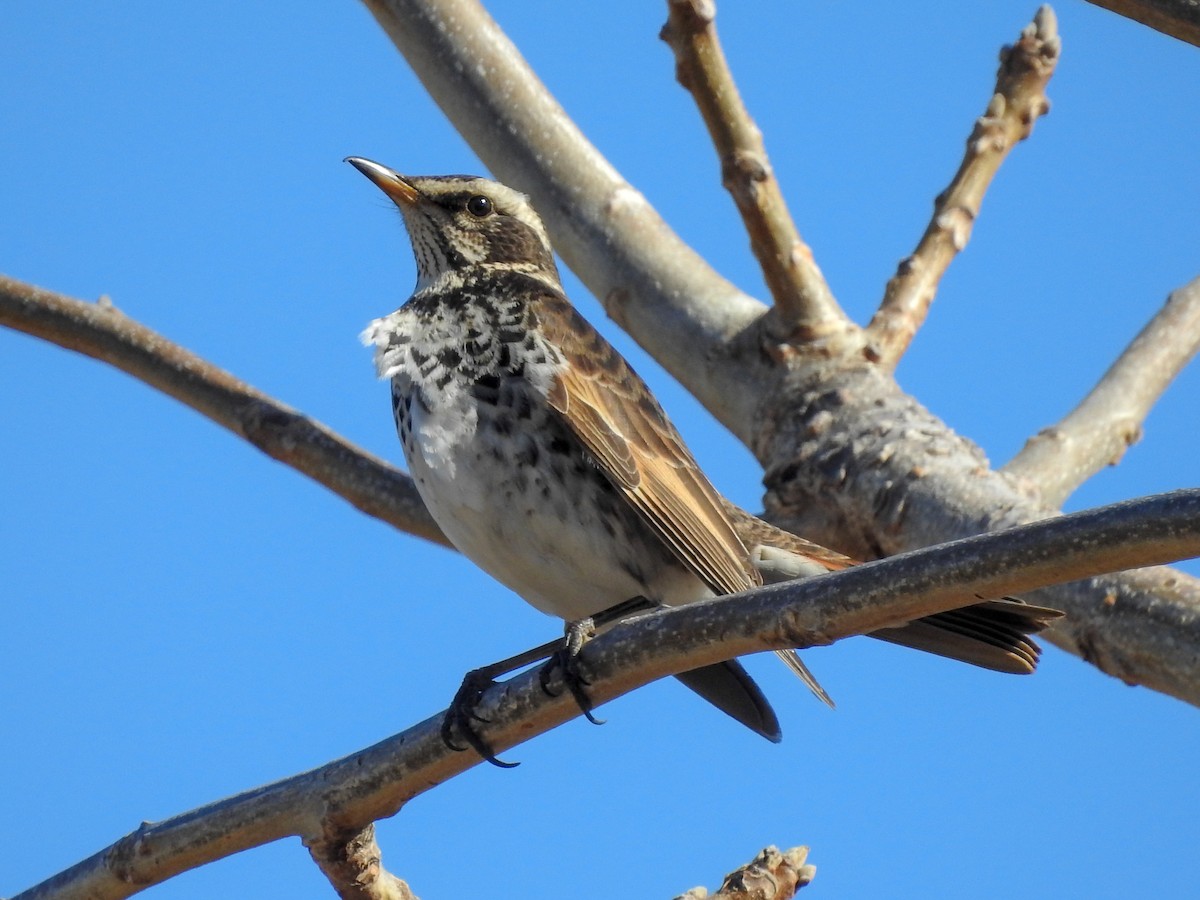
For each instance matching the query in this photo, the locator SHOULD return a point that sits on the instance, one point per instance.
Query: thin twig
(1109, 420)
(1019, 100)
(352, 863)
(346, 795)
(103, 332)
(805, 307)
(771, 875)
(1178, 18)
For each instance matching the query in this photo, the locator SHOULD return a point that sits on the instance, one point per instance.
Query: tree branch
(855, 463)
(1019, 99)
(769, 876)
(101, 331)
(352, 863)
(1178, 18)
(346, 795)
(805, 309)
(1097, 432)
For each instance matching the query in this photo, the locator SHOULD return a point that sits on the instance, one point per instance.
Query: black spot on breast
(527, 454)
(521, 406)
(486, 389)
(449, 357)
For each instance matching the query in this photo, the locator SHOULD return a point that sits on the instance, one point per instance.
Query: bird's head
(462, 226)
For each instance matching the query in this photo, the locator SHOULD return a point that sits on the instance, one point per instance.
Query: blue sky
(185, 618)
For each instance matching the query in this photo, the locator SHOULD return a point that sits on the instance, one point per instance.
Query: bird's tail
(729, 688)
(993, 634)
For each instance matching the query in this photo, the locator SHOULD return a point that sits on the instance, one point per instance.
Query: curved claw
(567, 658)
(461, 713)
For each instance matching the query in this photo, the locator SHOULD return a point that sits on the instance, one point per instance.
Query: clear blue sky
(184, 618)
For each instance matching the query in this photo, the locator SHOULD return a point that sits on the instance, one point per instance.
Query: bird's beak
(391, 183)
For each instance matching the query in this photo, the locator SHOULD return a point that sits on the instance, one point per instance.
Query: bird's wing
(610, 409)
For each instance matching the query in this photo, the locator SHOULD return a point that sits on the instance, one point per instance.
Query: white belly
(544, 542)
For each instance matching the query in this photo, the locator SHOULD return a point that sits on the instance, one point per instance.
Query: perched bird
(546, 460)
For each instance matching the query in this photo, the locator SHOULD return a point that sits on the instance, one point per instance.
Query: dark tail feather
(729, 688)
(993, 635)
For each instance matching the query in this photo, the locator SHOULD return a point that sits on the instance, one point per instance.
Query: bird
(547, 461)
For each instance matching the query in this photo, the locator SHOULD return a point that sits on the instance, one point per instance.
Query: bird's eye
(479, 206)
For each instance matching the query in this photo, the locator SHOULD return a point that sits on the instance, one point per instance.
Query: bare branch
(1178, 18)
(352, 864)
(769, 876)
(1097, 432)
(344, 796)
(805, 309)
(1020, 98)
(103, 332)
(660, 290)
(856, 464)
(1137, 626)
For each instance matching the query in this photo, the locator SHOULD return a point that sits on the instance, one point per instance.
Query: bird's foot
(575, 637)
(463, 713)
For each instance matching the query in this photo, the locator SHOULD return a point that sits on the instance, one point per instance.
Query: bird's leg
(576, 635)
(463, 710)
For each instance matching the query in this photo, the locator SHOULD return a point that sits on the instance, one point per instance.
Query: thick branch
(1097, 432)
(805, 309)
(103, 332)
(344, 796)
(1178, 18)
(854, 463)
(1019, 99)
(663, 293)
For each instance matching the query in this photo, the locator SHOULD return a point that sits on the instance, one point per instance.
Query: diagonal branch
(377, 781)
(103, 332)
(1097, 432)
(346, 795)
(1019, 99)
(1178, 18)
(805, 309)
